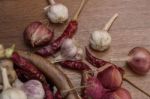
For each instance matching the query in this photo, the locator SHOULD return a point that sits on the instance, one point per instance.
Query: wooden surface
(131, 29)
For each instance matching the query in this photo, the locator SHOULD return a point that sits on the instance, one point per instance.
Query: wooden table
(131, 29)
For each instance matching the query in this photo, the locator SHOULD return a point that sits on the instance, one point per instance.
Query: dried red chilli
(58, 95)
(27, 71)
(93, 60)
(55, 46)
(28, 67)
(76, 65)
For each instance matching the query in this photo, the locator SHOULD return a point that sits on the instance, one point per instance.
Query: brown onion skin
(120, 93)
(37, 34)
(111, 78)
(140, 64)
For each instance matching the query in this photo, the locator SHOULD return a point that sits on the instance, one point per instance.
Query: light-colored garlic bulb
(10, 92)
(57, 13)
(69, 51)
(100, 40)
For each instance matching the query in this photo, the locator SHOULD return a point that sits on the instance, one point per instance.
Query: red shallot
(37, 34)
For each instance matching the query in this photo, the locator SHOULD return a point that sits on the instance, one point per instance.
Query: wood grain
(129, 30)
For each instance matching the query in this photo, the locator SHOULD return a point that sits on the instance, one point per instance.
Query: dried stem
(75, 88)
(127, 80)
(79, 10)
(52, 2)
(110, 22)
(6, 83)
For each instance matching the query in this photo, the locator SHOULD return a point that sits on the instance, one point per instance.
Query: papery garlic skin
(13, 93)
(34, 89)
(68, 49)
(57, 13)
(100, 40)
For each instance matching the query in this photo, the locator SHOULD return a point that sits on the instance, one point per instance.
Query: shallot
(100, 40)
(57, 13)
(120, 93)
(139, 60)
(94, 89)
(37, 34)
(8, 91)
(111, 78)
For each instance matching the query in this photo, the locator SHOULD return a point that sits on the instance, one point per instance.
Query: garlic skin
(10, 92)
(34, 89)
(100, 40)
(68, 48)
(13, 93)
(57, 13)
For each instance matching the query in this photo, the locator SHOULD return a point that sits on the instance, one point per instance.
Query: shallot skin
(121, 93)
(37, 34)
(94, 90)
(139, 60)
(111, 78)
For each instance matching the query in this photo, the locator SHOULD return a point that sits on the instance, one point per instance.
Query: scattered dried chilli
(76, 65)
(55, 46)
(93, 60)
(27, 71)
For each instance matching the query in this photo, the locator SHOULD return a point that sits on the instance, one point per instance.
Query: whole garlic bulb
(100, 40)
(34, 89)
(57, 13)
(10, 92)
(68, 48)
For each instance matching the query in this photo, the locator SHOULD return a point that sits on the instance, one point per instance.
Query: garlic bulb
(57, 13)
(100, 40)
(69, 51)
(8, 91)
(34, 89)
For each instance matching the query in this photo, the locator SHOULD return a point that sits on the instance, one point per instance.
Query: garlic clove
(100, 40)
(57, 13)
(37, 34)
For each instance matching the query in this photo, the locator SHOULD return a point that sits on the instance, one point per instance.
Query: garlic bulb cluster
(8, 91)
(57, 13)
(100, 40)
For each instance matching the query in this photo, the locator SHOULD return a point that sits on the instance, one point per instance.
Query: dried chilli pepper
(77, 65)
(27, 71)
(94, 60)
